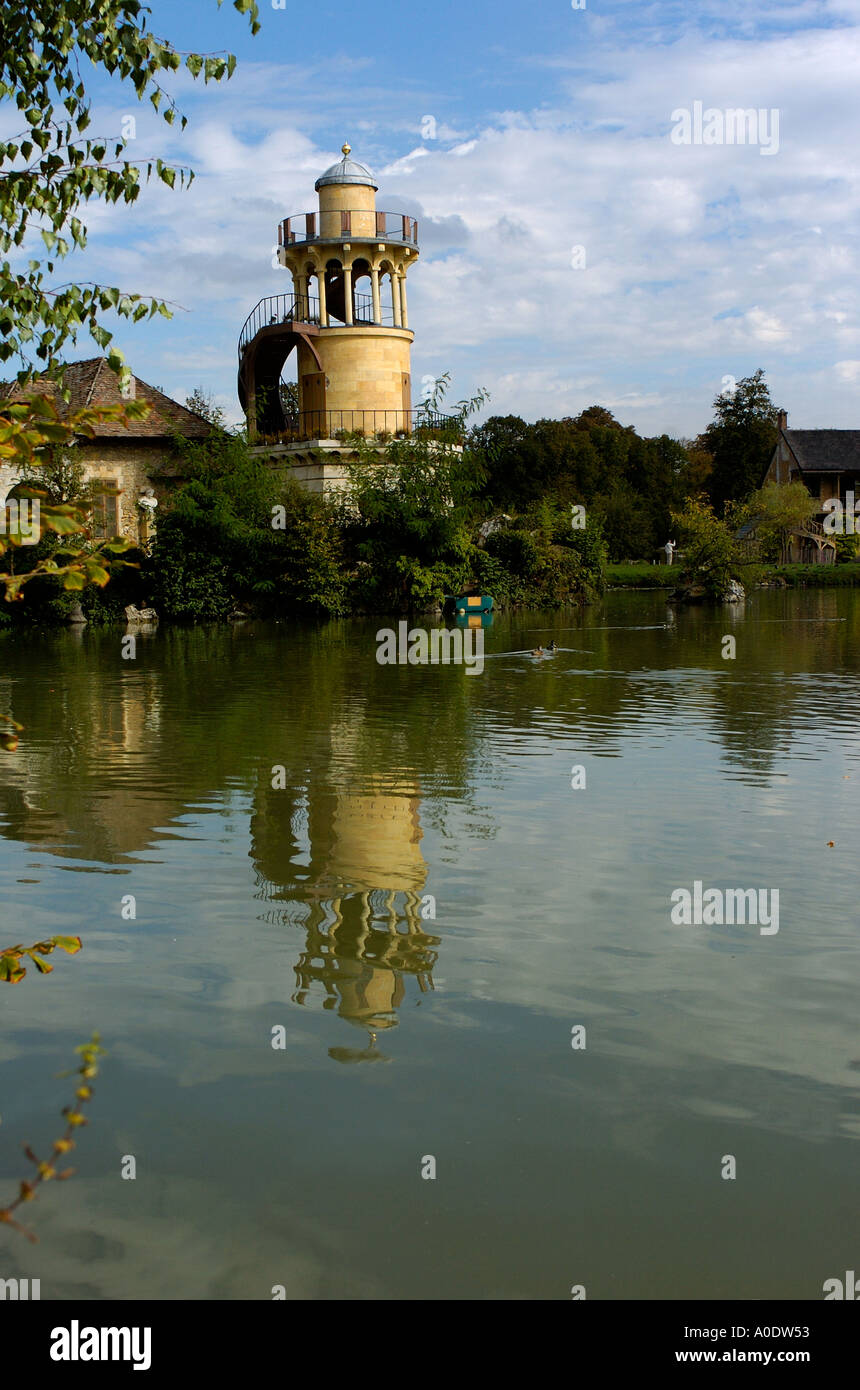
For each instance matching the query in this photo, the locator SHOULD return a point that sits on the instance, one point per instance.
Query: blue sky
(552, 130)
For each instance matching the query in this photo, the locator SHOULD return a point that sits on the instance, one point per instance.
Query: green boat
(467, 604)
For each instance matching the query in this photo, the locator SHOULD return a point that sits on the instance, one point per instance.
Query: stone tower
(346, 317)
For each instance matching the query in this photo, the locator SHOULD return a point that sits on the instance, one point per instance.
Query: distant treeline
(628, 483)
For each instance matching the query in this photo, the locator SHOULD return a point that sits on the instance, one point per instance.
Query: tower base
(319, 465)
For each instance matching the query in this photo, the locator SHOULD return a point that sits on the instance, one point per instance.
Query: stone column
(347, 295)
(323, 306)
(403, 311)
(395, 297)
(374, 287)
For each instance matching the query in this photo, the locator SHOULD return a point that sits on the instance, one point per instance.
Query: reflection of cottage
(126, 467)
(827, 462)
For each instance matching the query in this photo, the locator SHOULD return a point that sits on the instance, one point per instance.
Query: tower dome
(346, 170)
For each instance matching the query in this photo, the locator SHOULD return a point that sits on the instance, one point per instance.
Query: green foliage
(630, 484)
(9, 731)
(838, 576)
(202, 404)
(590, 547)
(46, 1169)
(627, 532)
(740, 440)
(711, 554)
(545, 565)
(58, 474)
(405, 510)
(777, 509)
(53, 166)
(289, 395)
(236, 533)
(462, 411)
(31, 433)
(642, 576)
(847, 549)
(517, 551)
(11, 969)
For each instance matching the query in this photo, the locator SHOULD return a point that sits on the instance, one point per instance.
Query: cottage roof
(825, 451)
(93, 382)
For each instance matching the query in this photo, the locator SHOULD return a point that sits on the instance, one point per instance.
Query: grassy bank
(646, 576)
(642, 576)
(816, 576)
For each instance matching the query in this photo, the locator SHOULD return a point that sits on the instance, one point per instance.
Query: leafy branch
(11, 969)
(9, 735)
(54, 165)
(46, 1169)
(29, 429)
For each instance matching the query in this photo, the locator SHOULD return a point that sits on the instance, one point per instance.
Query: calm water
(308, 908)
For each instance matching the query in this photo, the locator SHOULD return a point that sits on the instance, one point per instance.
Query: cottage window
(105, 508)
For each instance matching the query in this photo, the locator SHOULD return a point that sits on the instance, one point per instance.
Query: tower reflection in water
(354, 886)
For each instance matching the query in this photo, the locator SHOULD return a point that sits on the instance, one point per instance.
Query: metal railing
(305, 308)
(358, 224)
(279, 308)
(376, 426)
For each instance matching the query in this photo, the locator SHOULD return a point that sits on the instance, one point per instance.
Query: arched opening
(312, 291)
(362, 292)
(288, 392)
(335, 292)
(386, 293)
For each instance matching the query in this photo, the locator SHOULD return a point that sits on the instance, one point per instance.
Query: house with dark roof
(827, 462)
(129, 468)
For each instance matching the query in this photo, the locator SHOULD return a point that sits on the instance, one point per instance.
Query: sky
(573, 250)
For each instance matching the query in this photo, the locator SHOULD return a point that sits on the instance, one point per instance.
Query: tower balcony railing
(375, 426)
(305, 308)
(356, 224)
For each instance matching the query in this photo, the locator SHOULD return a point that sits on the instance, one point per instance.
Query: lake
(401, 1011)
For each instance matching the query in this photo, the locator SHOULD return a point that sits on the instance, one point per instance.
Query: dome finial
(346, 148)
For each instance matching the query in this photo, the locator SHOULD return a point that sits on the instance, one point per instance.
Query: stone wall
(8, 479)
(133, 466)
(364, 367)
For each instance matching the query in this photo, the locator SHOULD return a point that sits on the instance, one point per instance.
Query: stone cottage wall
(134, 467)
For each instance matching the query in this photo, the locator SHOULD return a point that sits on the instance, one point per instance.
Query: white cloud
(700, 261)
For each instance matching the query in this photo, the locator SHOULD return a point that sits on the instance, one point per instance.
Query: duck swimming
(537, 651)
(552, 647)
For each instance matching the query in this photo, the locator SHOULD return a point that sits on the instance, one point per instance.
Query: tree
(52, 167)
(289, 392)
(740, 440)
(778, 509)
(58, 474)
(407, 504)
(47, 172)
(711, 554)
(598, 417)
(202, 404)
(627, 528)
